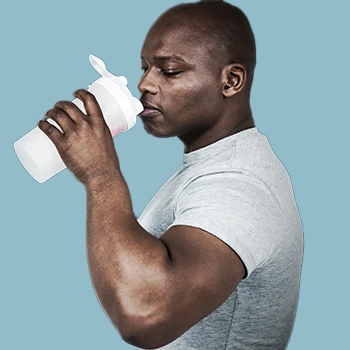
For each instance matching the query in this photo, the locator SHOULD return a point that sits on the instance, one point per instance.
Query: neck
(234, 123)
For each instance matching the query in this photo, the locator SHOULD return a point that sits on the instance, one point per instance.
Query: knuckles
(85, 94)
(55, 113)
(58, 113)
(64, 105)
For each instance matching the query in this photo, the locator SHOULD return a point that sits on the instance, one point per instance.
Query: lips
(149, 109)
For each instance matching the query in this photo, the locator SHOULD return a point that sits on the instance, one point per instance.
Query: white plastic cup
(37, 152)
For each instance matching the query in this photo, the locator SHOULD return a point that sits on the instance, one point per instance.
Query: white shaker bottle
(39, 155)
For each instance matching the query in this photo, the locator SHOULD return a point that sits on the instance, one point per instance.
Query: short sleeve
(238, 208)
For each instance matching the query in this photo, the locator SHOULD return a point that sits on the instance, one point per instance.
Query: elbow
(144, 332)
(138, 334)
(134, 324)
(144, 340)
(146, 311)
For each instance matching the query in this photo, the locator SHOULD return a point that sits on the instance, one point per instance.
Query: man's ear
(234, 77)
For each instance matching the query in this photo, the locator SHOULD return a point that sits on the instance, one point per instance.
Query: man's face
(180, 79)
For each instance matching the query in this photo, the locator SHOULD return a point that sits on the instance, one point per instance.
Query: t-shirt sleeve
(238, 208)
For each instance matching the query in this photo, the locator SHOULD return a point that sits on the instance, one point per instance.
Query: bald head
(198, 64)
(224, 27)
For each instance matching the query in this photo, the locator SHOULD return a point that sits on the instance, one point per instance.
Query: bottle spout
(99, 66)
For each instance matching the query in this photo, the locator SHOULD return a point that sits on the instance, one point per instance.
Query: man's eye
(171, 73)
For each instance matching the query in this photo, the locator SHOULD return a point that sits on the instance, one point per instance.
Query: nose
(148, 83)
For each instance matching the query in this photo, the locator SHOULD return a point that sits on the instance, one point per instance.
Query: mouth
(149, 109)
(147, 112)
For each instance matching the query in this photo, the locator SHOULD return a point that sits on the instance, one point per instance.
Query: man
(214, 260)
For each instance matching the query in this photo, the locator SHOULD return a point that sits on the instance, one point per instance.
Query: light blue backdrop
(300, 102)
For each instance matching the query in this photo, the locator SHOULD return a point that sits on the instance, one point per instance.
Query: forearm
(128, 266)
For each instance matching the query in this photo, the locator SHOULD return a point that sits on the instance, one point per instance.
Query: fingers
(61, 118)
(91, 105)
(71, 110)
(51, 131)
(68, 116)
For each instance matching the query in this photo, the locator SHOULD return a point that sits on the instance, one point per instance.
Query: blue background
(299, 100)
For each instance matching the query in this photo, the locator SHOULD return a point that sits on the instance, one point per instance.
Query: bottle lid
(117, 86)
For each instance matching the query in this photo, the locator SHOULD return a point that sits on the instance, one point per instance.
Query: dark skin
(153, 290)
(202, 92)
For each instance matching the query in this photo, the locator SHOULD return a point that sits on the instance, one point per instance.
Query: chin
(160, 133)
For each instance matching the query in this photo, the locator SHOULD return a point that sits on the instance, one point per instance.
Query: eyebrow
(167, 58)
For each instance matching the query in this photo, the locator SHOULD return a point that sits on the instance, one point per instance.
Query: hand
(86, 147)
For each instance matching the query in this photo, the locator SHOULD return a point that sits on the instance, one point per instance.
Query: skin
(153, 290)
(194, 104)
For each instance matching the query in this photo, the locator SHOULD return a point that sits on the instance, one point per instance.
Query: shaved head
(198, 63)
(224, 27)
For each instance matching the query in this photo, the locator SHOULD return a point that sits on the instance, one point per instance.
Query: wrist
(112, 190)
(103, 182)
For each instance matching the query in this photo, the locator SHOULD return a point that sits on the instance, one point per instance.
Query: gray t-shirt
(238, 190)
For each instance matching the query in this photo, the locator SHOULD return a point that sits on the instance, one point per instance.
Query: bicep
(204, 272)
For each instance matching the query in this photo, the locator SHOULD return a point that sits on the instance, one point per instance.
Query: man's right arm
(204, 271)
